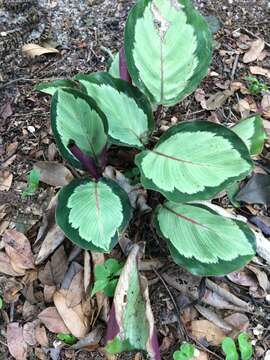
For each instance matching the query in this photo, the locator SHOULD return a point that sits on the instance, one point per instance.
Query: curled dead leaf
(53, 173)
(74, 318)
(254, 52)
(33, 50)
(6, 267)
(204, 329)
(53, 321)
(18, 248)
(257, 70)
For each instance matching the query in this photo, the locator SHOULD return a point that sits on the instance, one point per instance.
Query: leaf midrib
(185, 161)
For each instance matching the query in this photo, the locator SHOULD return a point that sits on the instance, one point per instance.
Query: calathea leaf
(131, 322)
(93, 214)
(168, 49)
(128, 111)
(202, 241)
(51, 87)
(252, 132)
(194, 161)
(76, 119)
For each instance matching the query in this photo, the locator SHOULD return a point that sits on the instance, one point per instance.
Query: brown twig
(235, 66)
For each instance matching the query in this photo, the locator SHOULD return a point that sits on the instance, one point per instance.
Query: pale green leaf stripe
(166, 57)
(78, 122)
(114, 67)
(252, 132)
(191, 161)
(126, 121)
(96, 212)
(197, 232)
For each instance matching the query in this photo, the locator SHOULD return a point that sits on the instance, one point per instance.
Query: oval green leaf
(202, 241)
(252, 132)
(194, 161)
(245, 346)
(129, 114)
(93, 214)
(75, 117)
(229, 349)
(168, 48)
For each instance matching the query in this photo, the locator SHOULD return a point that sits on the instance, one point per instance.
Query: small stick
(235, 66)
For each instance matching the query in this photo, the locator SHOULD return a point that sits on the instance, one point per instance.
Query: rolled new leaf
(76, 119)
(194, 161)
(202, 241)
(114, 67)
(168, 49)
(128, 111)
(252, 132)
(131, 321)
(93, 214)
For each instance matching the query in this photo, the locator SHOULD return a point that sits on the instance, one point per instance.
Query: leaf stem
(123, 69)
(87, 162)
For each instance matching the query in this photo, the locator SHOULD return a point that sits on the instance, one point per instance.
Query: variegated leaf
(194, 161)
(168, 49)
(202, 241)
(93, 214)
(128, 111)
(76, 118)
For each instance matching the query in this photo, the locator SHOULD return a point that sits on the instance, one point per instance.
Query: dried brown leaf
(5, 180)
(33, 50)
(214, 318)
(15, 341)
(74, 318)
(53, 321)
(52, 240)
(45, 275)
(48, 293)
(215, 101)
(204, 329)
(238, 321)
(76, 290)
(254, 52)
(18, 248)
(41, 336)
(12, 290)
(6, 267)
(53, 173)
(29, 333)
(59, 265)
(258, 70)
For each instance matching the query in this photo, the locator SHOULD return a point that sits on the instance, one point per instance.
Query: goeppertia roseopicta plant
(167, 52)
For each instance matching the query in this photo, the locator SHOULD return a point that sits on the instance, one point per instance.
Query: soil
(85, 32)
